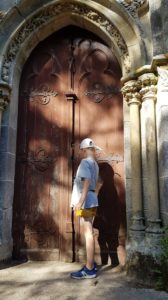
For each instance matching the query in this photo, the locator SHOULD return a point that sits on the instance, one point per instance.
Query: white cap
(88, 143)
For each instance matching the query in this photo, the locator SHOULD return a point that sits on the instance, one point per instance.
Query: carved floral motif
(98, 94)
(38, 159)
(45, 15)
(42, 95)
(131, 91)
(148, 85)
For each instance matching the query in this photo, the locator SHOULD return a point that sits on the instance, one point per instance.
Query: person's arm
(99, 185)
(86, 184)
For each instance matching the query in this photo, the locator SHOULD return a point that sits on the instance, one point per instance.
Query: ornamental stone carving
(2, 14)
(131, 93)
(50, 12)
(148, 86)
(132, 6)
(4, 96)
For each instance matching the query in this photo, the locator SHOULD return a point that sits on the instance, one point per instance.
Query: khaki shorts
(86, 212)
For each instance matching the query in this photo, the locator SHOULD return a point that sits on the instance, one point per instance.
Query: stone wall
(159, 25)
(162, 137)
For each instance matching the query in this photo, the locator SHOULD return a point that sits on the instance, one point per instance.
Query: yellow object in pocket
(86, 212)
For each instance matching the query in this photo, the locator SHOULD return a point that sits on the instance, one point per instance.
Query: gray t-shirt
(89, 169)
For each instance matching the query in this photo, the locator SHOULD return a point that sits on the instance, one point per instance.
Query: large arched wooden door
(69, 90)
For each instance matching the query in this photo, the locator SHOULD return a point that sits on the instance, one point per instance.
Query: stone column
(162, 135)
(132, 96)
(149, 95)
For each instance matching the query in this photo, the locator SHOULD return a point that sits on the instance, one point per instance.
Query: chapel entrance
(69, 90)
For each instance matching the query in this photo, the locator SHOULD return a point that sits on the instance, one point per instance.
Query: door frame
(23, 39)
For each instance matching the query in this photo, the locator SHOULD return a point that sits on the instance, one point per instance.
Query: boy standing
(84, 201)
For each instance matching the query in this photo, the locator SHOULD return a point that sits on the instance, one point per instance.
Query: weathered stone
(7, 166)
(6, 229)
(164, 10)
(128, 184)
(163, 195)
(6, 195)
(163, 159)
(155, 12)
(5, 117)
(163, 123)
(5, 5)
(145, 183)
(8, 139)
(6, 252)
(127, 152)
(148, 92)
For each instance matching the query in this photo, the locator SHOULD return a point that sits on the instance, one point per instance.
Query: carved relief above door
(73, 65)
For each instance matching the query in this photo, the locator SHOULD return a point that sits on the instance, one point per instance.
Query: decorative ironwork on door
(63, 81)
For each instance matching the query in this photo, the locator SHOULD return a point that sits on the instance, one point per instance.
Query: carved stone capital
(148, 86)
(4, 96)
(162, 80)
(131, 93)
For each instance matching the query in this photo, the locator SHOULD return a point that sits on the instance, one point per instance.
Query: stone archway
(27, 33)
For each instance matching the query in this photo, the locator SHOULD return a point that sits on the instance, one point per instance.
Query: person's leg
(102, 240)
(112, 241)
(89, 239)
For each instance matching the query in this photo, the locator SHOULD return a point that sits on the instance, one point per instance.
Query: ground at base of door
(51, 280)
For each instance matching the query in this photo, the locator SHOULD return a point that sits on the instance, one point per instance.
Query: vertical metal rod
(73, 174)
(71, 85)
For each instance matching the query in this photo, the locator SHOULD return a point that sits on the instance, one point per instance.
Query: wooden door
(69, 90)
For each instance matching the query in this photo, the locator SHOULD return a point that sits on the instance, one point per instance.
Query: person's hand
(78, 206)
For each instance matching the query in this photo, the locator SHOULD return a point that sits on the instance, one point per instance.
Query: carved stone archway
(45, 20)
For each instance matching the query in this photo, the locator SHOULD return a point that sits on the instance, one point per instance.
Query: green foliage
(162, 271)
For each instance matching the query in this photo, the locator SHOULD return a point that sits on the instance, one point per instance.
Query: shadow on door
(108, 217)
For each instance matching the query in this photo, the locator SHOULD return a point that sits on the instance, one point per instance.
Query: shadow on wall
(107, 220)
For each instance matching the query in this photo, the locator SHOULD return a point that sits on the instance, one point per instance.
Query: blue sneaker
(84, 273)
(95, 266)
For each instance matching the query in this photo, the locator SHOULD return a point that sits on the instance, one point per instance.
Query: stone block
(28, 7)
(13, 20)
(162, 124)
(8, 139)
(163, 198)
(156, 26)
(137, 57)
(6, 5)
(13, 113)
(7, 166)
(165, 23)
(163, 159)
(29, 44)
(6, 232)
(6, 252)
(6, 194)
